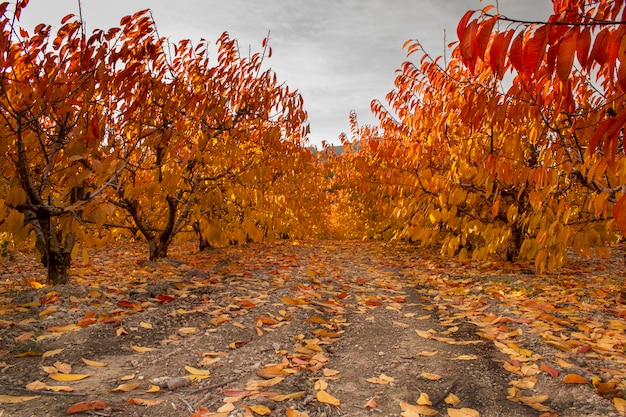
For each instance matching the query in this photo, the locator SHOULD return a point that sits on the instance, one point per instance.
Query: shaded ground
(346, 328)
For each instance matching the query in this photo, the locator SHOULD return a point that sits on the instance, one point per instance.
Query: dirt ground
(311, 328)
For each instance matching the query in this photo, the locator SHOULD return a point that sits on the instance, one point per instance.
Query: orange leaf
(550, 370)
(565, 55)
(619, 210)
(574, 379)
(83, 406)
(143, 401)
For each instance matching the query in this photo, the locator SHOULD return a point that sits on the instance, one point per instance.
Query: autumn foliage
(122, 134)
(515, 145)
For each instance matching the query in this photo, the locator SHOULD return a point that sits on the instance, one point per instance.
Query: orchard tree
(474, 160)
(53, 101)
(201, 127)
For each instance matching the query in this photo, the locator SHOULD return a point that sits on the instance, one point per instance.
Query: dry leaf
(261, 410)
(452, 399)
(290, 412)
(64, 368)
(330, 372)
(10, 399)
(285, 397)
(143, 401)
(427, 353)
(320, 385)
(620, 405)
(145, 325)
(153, 388)
(51, 353)
(371, 403)
(424, 400)
(381, 380)
(463, 412)
(93, 363)
(410, 410)
(141, 349)
(83, 406)
(574, 379)
(126, 387)
(196, 371)
(432, 377)
(464, 358)
(68, 377)
(324, 397)
(36, 385)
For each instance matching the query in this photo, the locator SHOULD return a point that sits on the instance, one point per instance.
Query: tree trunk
(203, 243)
(515, 244)
(59, 263)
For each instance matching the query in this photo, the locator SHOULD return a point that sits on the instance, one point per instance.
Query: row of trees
(514, 146)
(120, 133)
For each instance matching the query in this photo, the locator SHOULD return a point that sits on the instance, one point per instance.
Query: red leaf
(482, 37)
(619, 213)
(550, 370)
(83, 406)
(467, 46)
(128, 304)
(516, 53)
(460, 29)
(165, 298)
(565, 55)
(534, 51)
(66, 18)
(582, 49)
(621, 74)
(497, 52)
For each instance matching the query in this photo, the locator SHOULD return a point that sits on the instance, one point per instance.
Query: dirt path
(317, 329)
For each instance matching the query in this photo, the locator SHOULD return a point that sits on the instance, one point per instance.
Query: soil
(379, 324)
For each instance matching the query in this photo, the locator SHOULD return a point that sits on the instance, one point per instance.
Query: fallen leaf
(427, 353)
(145, 325)
(153, 388)
(430, 376)
(290, 412)
(574, 379)
(320, 385)
(620, 405)
(463, 412)
(36, 385)
(143, 401)
(381, 380)
(68, 377)
(464, 358)
(371, 403)
(141, 349)
(51, 353)
(10, 399)
(285, 397)
(126, 387)
(324, 397)
(330, 372)
(94, 363)
(410, 410)
(64, 368)
(424, 400)
(452, 399)
(261, 410)
(196, 371)
(83, 406)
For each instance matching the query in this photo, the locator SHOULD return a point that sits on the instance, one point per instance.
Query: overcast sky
(339, 54)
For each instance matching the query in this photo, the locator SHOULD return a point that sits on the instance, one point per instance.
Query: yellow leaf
(330, 372)
(64, 329)
(290, 412)
(59, 388)
(261, 410)
(64, 368)
(463, 412)
(285, 397)
(465, 358)
(410, 410)
(195, 371)
(93, 363)
(51, 353)
(320, 385)
(141, 349)
(424, 400)
(49, 369)
(187, 331)
(68, 377)
(10, 399)
(427, 353)
(432, 377)
(143, 401)
(381, 380)
(324, 397)
(452, 399)
(36, 385)
(120, 331)
(424, 334)
(226, 408)
(620, 405)
(574, 379)
(127, 377)
(153, 389)
(126, 387)
(145, 325)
